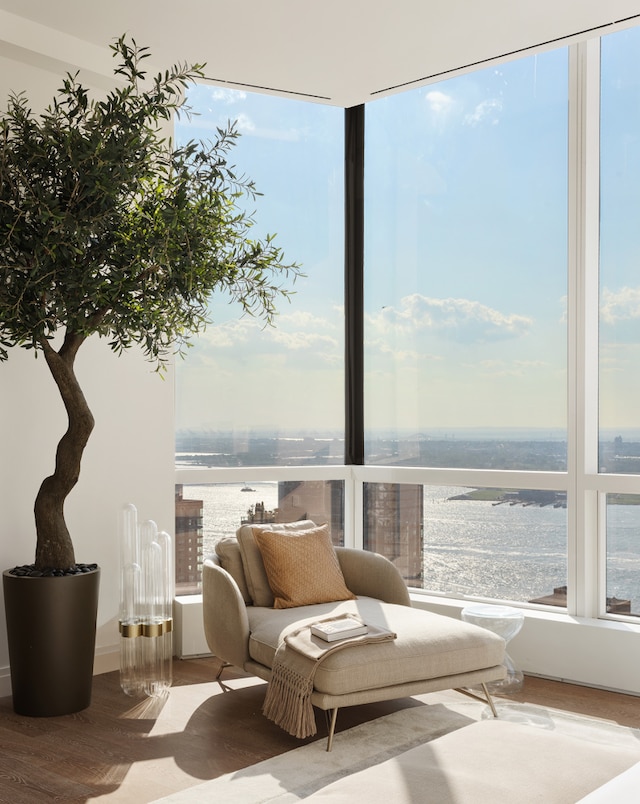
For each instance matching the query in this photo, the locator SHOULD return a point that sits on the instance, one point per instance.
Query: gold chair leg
(223, 666)
(487, 699)
(332, 728)
(223, 686)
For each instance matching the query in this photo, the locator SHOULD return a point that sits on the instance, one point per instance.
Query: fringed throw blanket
(288, 699)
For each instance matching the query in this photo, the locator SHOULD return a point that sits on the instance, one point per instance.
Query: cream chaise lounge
(431, 652)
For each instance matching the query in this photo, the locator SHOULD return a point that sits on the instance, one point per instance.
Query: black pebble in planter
(51, 629)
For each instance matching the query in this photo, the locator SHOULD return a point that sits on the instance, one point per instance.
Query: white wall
(129, 457)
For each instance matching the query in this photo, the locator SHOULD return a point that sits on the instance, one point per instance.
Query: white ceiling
(342, 52)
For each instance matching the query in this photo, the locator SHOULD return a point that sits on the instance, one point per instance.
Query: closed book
(339, 629)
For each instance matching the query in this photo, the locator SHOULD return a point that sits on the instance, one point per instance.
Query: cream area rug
(534, 754)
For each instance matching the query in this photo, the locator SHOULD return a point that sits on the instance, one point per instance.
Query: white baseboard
(106, 660)
(5, 682)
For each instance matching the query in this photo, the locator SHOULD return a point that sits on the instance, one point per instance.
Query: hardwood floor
(134, 751)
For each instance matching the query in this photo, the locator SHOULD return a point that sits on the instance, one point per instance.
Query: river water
(471, 547)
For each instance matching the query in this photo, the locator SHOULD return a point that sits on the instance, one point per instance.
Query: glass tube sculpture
(146, 607)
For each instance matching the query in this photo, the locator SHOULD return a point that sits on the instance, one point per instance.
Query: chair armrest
(372, 575)
(226, 625)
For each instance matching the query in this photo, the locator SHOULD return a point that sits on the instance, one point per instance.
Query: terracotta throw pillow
(302, 568)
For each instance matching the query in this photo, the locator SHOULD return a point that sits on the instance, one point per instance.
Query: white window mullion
(357, 508)
(582, 315)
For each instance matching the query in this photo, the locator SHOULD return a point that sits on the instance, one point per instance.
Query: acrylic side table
(506, 622)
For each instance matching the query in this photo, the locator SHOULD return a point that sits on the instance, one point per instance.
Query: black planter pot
(51, 629)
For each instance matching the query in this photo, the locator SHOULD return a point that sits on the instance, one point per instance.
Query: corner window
(250, 395)
(466, 270)
(620, 253)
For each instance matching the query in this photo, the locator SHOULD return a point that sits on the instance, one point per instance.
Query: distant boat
(246, 488)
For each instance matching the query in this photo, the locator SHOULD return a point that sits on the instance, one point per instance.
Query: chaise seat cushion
(427, 645)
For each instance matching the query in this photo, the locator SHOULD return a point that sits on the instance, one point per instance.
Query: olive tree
(108, 228)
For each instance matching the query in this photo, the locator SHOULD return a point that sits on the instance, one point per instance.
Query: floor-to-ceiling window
(465, 315)
(619, 320)
(252, 396)
(465, 270)
(482, 476)
(261, 394)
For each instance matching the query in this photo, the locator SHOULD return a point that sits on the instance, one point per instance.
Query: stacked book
(344, 628)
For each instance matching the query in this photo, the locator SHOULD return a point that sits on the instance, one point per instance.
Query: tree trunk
(54, 547)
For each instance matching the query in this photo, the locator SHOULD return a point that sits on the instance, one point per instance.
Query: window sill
(553, 644)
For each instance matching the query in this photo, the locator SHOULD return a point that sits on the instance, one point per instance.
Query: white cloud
(244, 123)
(439, 102)
(622, 305)
(304, 318)
(315, 338)
(487, 111)
(302, 340)
(229, 334)
(461, 320)
(214, 107)
(443, 107)
(302, 331)
(228, 96)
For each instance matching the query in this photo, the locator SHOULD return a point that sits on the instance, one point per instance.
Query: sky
(620, 231)
(465, 255)
(240, 374)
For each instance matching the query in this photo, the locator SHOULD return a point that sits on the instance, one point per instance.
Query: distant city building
(258, 515)
(322, 501)
(394, 516)
(188, 544)
(559, 598)
(393, 523)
